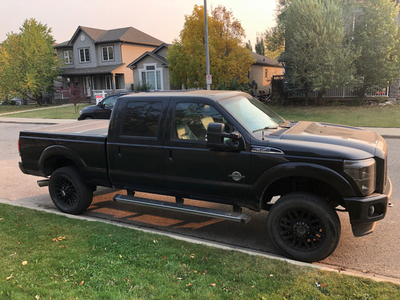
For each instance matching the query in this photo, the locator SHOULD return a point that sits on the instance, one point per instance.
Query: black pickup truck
(224, 147)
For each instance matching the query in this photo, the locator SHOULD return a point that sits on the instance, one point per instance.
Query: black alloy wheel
(304, 227)
(68, 190)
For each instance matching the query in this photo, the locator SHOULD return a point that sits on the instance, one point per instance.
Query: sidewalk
(36, 121)
(387, 133)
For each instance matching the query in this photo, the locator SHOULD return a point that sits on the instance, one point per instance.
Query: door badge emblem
(236, 176)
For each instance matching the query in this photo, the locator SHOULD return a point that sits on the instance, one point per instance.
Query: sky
(162, 19)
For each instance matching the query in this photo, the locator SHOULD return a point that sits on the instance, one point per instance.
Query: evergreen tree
(317, 57)
(376, 36)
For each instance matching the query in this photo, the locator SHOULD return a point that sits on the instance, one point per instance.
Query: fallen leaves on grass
(320, 286)
(9, 277)
(24, 263)
(58, 239)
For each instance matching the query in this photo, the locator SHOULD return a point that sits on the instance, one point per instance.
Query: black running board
(197, 210)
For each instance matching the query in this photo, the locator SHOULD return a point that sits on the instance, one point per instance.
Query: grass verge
(34, 111)
(48, 256)
(363, 116)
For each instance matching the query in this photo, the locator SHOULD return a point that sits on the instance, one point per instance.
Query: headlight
(363, 173)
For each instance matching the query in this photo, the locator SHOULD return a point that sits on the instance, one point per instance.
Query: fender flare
(302, 169)
(59, 150)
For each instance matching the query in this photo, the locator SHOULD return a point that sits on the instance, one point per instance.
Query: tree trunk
(37, 98)
(320, 99)
(361, 92)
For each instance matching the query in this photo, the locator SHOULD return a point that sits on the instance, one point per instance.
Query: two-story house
(97, 59)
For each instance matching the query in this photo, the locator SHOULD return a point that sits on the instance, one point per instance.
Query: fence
(348, 92)
(345, 92)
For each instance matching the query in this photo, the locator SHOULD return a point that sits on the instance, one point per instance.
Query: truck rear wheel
(69, 192)
(304, 227)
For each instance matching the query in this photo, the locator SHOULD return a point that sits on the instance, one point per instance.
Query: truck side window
(142, 119)
(191, 120)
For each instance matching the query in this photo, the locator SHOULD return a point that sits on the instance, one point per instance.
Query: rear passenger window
(142, 119)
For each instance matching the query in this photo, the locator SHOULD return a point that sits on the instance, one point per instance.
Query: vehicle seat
(206, 121)
(184, 133)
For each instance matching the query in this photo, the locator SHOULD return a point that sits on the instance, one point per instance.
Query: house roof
(265, 61)
(89, 71)
(153, 54)
(127, 35)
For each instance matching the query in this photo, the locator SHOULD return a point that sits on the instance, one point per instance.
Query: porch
(94, 80)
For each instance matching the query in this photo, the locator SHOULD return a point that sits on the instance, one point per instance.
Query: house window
(68, 57)
(108, 82)
(108, 53)
(84, 55)
(152, 77)
(266, 73)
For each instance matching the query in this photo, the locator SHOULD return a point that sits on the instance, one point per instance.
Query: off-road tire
(304, 227)
(69, 192)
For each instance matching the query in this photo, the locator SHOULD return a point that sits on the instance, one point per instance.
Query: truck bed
(84, 143)
(87, 128)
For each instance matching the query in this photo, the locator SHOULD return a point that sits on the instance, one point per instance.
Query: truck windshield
(252, 114)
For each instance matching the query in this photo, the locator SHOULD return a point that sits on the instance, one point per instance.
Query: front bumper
(365, 211)
(22, 168)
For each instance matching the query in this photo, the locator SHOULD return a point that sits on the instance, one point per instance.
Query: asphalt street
(372, 255)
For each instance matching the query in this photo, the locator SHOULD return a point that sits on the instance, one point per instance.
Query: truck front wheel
(304, 227)
(69, 192)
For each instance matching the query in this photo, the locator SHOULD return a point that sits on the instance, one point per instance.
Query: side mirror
(217, 138)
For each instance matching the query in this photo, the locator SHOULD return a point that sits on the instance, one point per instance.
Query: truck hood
(324, 140)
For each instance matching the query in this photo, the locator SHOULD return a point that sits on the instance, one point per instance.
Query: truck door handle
(119, 151)
(170, 155)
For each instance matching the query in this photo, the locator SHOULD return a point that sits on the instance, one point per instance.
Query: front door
(192, 169)
(87, 86)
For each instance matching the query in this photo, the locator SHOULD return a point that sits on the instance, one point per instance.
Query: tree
(229, 58)
(249, 46)
(260, 46)
(274, 42)
(28, 62)
(76, 95)
(317, 56)
(376, 36)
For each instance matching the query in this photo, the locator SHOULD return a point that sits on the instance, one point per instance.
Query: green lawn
(363, 116)
(48, 256)
(55, 112)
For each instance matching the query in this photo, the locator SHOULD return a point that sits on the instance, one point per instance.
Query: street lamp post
(208, 75)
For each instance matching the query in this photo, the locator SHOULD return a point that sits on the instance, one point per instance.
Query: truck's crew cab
(223, 147)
